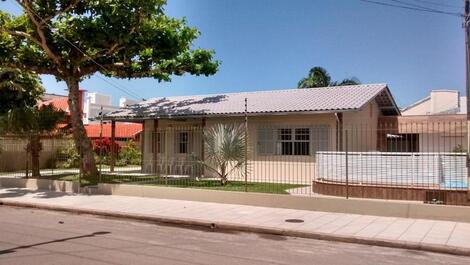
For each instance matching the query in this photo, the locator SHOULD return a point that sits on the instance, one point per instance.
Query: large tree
(319, 77)
(32, 123)
(18, 89)
(74, 39)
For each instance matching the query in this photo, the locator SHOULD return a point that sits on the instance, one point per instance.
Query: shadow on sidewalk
(11, 250)
(40, 194)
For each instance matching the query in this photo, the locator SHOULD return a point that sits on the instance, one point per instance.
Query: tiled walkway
(400, 230)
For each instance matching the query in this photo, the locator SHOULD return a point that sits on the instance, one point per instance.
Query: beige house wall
(281, 168)
(264, 168)
(361, 127)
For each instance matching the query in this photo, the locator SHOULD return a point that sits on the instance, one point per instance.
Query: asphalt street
(31, 236)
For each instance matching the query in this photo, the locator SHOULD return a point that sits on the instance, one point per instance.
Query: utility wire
(122, 89)
(416, 5)
(455, 14)
(439, 4)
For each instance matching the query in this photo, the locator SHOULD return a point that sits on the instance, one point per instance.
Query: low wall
(13, 155)
(452, 197)
(40, 184)
(392, 168)
(326, 204)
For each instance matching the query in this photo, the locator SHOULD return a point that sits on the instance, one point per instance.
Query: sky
(271, 44)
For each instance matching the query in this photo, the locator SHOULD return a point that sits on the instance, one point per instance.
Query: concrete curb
(248, 228)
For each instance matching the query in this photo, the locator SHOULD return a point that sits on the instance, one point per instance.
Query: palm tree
(225, 150)
(32, 122)
(319, 77)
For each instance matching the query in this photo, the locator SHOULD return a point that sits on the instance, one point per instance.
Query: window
(284, 137)
(302, 141)
(183, 142)
(158, 142)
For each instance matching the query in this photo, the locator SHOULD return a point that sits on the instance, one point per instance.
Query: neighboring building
(123, 133)
(125, 102)
(281, 124)
(96, 103)
(439, 102)
(435, 123)
(58, 101)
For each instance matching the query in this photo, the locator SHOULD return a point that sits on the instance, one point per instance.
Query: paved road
(30, 236)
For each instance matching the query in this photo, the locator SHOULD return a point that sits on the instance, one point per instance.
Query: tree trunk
(34, 148)
(82, 142)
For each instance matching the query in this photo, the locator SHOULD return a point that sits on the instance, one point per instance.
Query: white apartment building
(97, 102)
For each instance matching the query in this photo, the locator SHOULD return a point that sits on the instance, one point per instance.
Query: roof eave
(389, 94)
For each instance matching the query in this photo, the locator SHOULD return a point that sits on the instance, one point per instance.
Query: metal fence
(421, 161)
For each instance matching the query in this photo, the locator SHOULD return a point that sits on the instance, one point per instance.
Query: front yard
(276, 188)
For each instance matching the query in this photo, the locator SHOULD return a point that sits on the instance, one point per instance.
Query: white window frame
(273, 142)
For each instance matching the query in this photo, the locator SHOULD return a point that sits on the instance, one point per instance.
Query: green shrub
(459, 149)
(67, 156)
(129, 155)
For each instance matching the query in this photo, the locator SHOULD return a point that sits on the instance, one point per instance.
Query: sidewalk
(438, 236)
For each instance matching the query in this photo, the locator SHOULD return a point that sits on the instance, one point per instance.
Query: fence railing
(410, 161)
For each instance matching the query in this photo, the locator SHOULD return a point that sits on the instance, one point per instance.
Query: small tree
(32, 122)
(73, 40)
(224, 150)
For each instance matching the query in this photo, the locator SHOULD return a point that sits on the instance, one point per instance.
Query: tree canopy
(74, 39)
(119, 38)
(319, 77)
(18, 89)
(31, 120)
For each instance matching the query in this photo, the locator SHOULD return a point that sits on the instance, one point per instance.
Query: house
(124, 132)
(439, 102)
(283, 125)
(436, 123)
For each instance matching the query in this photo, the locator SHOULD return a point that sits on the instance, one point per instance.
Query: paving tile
(356, 225)
(375, 227)
(337, 224)
(440, 233)
(460, 236)
(396, 229)
(417, 231)
(324, 219)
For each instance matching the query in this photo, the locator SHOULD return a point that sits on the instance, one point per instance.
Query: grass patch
(275, 188)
